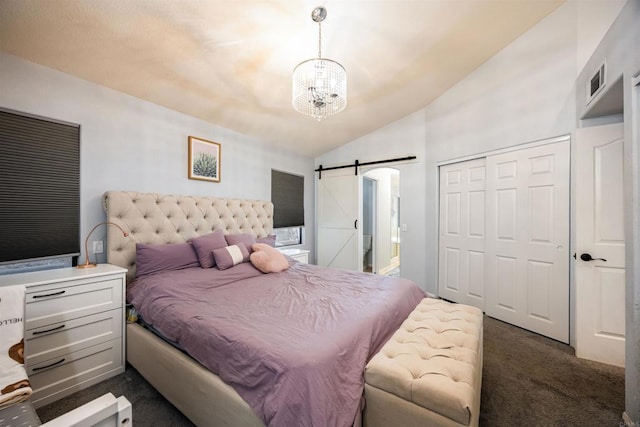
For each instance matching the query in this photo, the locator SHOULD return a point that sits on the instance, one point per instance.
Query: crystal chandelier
(319, 84)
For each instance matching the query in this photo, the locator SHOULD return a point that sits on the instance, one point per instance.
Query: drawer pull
(48, 366)
(49, 295)
(49, 330)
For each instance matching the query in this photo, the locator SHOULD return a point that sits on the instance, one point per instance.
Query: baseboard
(628, 422)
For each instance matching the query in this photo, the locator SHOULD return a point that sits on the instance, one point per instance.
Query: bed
(308, 371)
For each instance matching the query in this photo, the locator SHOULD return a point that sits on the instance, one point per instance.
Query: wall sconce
(87, 264)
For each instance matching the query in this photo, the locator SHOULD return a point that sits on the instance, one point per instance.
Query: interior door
(600, 284)
(527, 245)
(339, 205)
(462, 232)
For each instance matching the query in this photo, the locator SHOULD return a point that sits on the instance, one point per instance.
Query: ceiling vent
(596, 83)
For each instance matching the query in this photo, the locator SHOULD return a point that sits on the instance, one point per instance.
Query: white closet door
(462, 232)
(527, 245)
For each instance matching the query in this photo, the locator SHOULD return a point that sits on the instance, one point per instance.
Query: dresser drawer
(55, 340)
(60, 302)
(55, 378)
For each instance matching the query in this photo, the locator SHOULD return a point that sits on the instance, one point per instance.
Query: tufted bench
(429, 373)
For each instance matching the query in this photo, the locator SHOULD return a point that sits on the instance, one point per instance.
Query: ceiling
(229, 62)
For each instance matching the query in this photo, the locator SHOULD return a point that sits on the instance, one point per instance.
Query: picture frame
(204, 159)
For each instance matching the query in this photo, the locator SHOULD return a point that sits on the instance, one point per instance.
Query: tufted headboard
(159, 219)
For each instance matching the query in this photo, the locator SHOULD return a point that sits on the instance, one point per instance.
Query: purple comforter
(293, 344)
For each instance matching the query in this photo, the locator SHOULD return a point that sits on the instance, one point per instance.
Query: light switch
(404, 227)
(97, 247)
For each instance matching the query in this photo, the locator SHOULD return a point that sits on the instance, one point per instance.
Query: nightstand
(74, 328)
(301, 255)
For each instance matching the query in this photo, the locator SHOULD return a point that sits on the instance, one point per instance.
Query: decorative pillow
(230, 255)
(268, 240)
(267, 259)
(245, 239)
(205, 245)
(155, 258)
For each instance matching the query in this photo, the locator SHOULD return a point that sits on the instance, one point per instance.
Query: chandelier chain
(319, 40)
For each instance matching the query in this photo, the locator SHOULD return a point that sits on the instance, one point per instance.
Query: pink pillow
(230, 255)
(242, 238)
(156, 258)
(267, 259)
(205, 245)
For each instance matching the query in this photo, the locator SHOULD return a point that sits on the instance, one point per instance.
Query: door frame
(374, 221)
(375, 242)
(516, 147)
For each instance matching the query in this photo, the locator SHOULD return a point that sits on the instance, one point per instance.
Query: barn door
(339, 207)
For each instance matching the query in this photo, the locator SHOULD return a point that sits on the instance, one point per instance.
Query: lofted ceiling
(229, 62)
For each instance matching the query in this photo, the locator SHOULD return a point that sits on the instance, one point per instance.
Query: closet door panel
(527, 250)
(462, 232)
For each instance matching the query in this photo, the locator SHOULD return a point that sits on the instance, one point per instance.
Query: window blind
(287, 195)
(39, 188)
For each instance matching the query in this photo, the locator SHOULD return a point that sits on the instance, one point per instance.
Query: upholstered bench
(429, 373)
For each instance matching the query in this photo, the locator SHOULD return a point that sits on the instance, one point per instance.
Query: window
(39, 188)
(287, 195)
(288, 236)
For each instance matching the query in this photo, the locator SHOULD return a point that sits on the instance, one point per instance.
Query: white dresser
(74, 328)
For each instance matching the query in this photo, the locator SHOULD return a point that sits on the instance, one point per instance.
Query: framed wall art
(204, 159)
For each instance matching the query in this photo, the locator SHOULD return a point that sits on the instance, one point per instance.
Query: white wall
(130, 144)
(522, 94)
(594, 19)
(620, 50)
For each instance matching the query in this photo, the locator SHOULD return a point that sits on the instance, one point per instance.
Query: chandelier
(319, 84)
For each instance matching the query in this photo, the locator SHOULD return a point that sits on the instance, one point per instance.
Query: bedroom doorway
(381, 221)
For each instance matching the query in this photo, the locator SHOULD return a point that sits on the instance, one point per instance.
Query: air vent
(596, 83)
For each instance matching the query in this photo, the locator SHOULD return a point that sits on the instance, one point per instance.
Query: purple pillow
(204, 246)
(268, 240)
(245, 239)
(155, 258)
(230, 255)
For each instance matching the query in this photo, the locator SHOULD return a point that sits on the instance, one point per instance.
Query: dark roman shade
(287, 195)
(39, 188)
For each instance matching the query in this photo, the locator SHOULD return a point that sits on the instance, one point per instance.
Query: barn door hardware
(356, 164)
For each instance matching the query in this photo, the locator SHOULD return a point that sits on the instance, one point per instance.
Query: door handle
(355, 224)
(588, 257)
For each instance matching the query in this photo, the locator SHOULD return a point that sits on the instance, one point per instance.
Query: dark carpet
(527, 380)
(532, 380)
